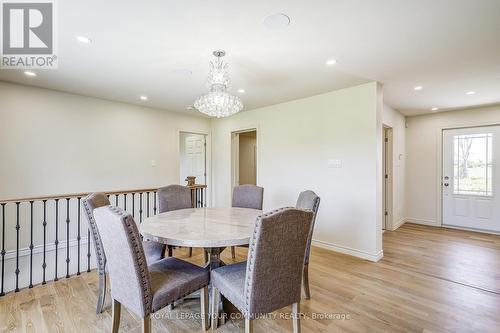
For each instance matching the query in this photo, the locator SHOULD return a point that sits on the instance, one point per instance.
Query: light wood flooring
(430, 280)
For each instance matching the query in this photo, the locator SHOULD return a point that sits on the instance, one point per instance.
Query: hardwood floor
(430, 280)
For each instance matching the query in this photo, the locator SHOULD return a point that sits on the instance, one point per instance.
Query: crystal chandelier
(218, 102)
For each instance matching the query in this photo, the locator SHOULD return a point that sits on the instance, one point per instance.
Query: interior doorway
(387, 150)
(244, 157)
(193, 157)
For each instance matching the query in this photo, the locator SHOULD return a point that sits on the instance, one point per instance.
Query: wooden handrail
(81, 195)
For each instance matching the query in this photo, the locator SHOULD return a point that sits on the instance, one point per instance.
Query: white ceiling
(142, 47)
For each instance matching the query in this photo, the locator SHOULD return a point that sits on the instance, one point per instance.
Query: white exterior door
(194, 164)
(471, 178)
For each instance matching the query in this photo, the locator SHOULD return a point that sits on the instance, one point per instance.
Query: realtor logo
(28, 34)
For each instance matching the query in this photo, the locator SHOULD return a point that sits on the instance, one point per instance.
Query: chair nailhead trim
(141, 264)
(101, 258)
(251, 257)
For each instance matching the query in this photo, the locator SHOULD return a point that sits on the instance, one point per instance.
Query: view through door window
(473, 164)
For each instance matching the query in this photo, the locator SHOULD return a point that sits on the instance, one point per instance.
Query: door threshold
(483, 231)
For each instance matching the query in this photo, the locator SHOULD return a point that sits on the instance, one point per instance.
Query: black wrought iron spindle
(3, 249)
(67, 237)
(31, 244)
(116, 200)
(154, 203)
(56, 242)
(124, 201)
(88, 250)
(78, 237)
(133, 204)
(147, 204)
(202, 201)
(140, 207)
(17, 246)
(44, 224)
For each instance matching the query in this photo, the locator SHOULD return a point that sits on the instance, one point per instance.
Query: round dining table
(213, 229)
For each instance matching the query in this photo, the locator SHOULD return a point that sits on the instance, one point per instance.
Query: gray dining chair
(308, 200)
(247, 196)
(154, 251)
(144, 289)
(272, 276)
(174, 197)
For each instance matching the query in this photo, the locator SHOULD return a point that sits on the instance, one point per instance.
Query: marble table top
(201, 227)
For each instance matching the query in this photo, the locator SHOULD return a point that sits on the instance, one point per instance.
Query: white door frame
(235, 153)
(439, 166)
(388, 162)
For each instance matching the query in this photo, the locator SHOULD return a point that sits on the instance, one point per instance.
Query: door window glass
(473, 164)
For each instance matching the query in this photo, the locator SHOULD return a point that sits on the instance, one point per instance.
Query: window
(473, 164)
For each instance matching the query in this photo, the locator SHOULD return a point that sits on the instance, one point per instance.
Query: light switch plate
(334, 164)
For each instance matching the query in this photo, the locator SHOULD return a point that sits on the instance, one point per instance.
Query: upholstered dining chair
(247, 196)
(174, 197)
(271, 278)
(144, 289)
(308, 200)
(153, 250)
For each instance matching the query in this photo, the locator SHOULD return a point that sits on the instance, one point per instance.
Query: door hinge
(385, 213)
(386, 139)
(386, 176)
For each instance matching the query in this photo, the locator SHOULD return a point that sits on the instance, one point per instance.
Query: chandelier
(218, 102)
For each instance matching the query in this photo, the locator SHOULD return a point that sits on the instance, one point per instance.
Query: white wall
(396, 121)
(345, 125)
(52, 142)
(423, 163)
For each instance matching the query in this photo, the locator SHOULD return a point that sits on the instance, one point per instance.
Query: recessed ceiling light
(83, 39)
(434, 109)
(29, 73)
(241, 91)
(470, 92)
(144, 98)
(331, 62)
(277, 21)
(418, 88)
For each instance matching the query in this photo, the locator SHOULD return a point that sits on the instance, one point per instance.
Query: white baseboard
(350, 251)
(433, 223)
(398, 224)
(49, 247)
(470, 229)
